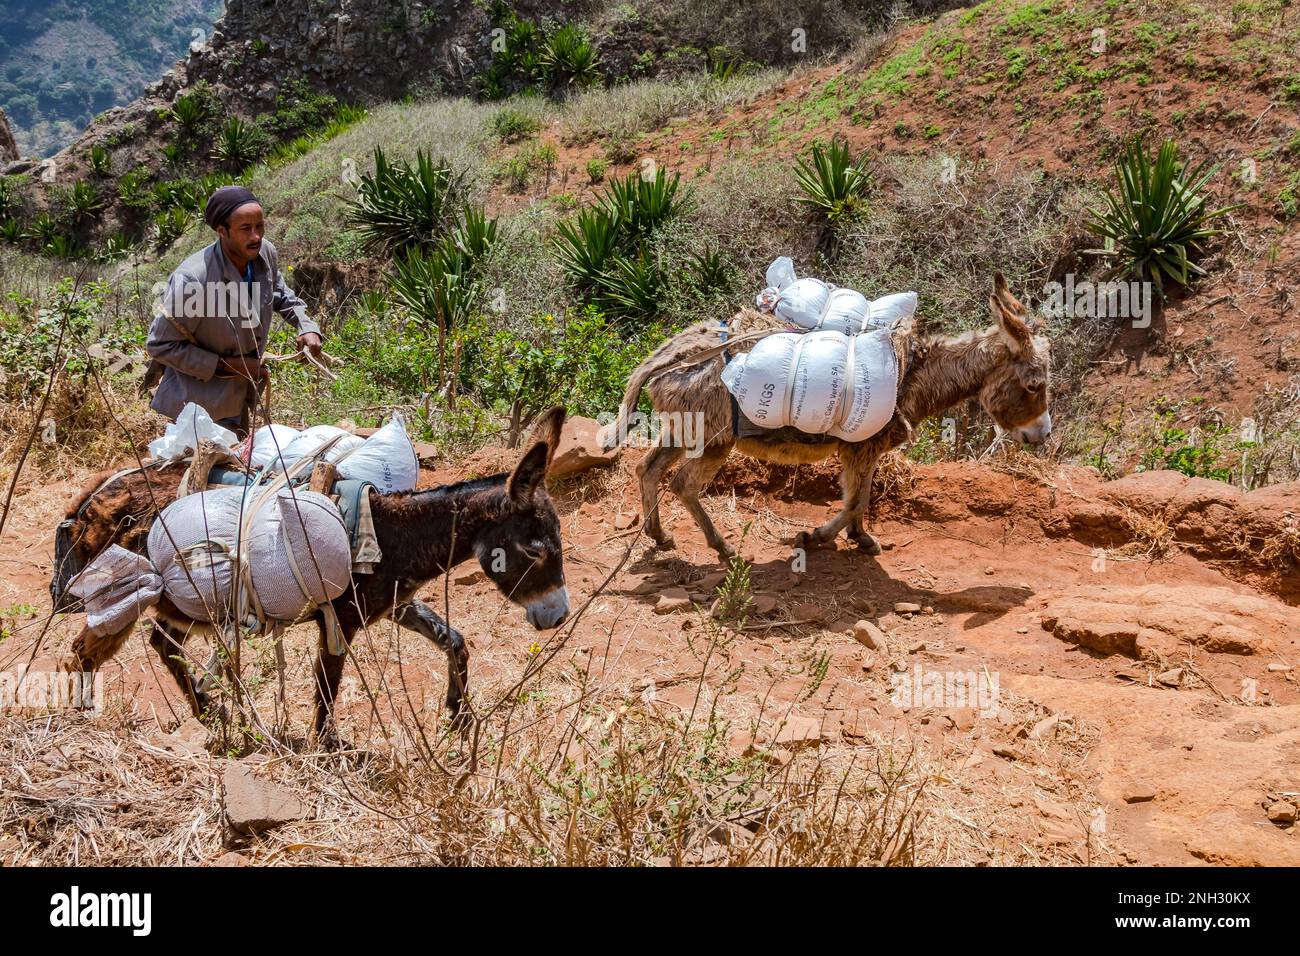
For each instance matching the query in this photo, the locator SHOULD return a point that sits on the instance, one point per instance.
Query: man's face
(244, 232)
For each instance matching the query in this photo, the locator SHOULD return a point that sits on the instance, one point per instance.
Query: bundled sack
(269, 444)
(386, 459)
(297, 548)
(813, 304)
(182, 437)
(115, 588)
(310, 440)
(823, 383)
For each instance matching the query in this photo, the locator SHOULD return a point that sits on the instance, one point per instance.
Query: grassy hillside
(62, 63)
(987, 135)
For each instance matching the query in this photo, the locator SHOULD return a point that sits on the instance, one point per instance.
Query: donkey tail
(616, 432)
(91, 651)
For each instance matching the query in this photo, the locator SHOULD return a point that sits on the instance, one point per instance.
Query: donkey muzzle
(1036, 432)
(550, 609)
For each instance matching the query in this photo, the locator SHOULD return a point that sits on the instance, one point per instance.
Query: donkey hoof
(725, 554)
(868, 544)
(666, 543)
(806, 541)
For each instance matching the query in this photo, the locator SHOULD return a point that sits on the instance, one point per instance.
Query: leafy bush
(399, 207)
(579, 359)
(596, 169)
(513, 124)
(833, 185)
(1198, 453)
(1155, 217)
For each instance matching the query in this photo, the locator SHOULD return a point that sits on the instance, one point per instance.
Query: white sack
(819, 382)
(116, 588)
(300, 535)
(387, 458)
(310, 440)
(270, 442)
(812, 304)
(182, 436)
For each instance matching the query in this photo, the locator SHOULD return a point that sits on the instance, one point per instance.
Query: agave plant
(474, 236)
(189, 111)
(11, 230)
(832, 183)
(585, 246)
(568, 59)
(101, 161)
(43, 230)
(64, 247)
(400, 207)
(1155, 218)
(640, 206)
(434, 290)
(632, 287)
(238, 144)
(170, 225)
(83, 201)
(117, 246)
(133, 192)
(709, 270)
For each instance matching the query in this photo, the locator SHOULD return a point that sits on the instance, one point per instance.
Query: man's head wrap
(225, 201)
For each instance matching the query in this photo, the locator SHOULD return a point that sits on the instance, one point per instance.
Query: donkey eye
(532, 554)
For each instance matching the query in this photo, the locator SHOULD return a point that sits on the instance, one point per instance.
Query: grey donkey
(1006, 367)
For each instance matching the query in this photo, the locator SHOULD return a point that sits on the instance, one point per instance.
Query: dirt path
(1085, 754)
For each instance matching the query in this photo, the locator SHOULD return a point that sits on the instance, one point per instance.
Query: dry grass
(1153, 535)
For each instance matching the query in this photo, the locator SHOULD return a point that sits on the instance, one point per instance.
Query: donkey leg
(857, 533)
(650, 471)
(856, 464)
(168, 641)
(419, 617)
(692, 478)
(328, 671)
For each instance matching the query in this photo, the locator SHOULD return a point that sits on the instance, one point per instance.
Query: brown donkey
(1005, 366)
(506, 521)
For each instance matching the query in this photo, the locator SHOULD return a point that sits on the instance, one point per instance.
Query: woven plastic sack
(387, 459)
(812, 304)
(270, 442)
(823, 383)
(116, 588)
(298, 550)
(309, 440)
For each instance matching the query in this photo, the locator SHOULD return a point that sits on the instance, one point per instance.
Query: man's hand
(247, 367)
(310, 342)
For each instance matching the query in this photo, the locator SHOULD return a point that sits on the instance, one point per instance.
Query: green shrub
(1155, 217)
(43, 230)
(513, 124)
(632, 287)
(833, 185)
(399, 207)
(640, 206)
(585, 246)
(596, 169)
(11, 230)
(83, 201)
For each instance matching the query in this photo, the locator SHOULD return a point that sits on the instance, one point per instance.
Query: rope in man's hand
(305, 355)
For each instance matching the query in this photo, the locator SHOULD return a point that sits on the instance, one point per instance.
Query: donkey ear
(548, 429)
(529, 474)
(1007, 312)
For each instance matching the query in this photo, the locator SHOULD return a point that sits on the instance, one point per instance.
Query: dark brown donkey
(1006, 367)
(507, 522)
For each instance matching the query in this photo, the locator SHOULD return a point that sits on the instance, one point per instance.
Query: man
(210, 334)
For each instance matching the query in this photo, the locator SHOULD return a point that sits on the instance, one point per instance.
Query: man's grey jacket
(227, 317)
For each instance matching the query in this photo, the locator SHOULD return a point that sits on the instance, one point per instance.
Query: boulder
(579, 449)
(253, 804)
